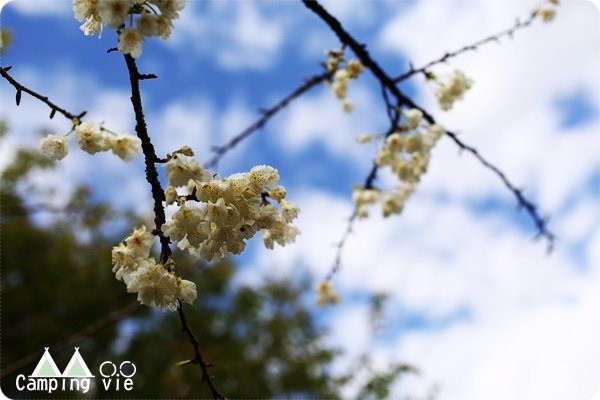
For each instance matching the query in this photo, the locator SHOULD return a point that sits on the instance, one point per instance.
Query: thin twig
(518, 25)
(198, 359)
(339, 248)
(159, 212)
(75, 338)
(540, 222)
(266, 115)
(53, 106)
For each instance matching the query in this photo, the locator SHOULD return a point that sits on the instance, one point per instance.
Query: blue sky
(473, 301)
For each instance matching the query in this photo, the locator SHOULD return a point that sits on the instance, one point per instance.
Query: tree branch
(531, 209)
(44, 99)
(339, 247)
(387, 82)
(149, 158)
(470, 47)
(159, 212)
(266, 115)
(198, 359)
(75, 338)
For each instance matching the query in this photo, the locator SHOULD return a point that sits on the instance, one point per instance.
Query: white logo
(46, 377)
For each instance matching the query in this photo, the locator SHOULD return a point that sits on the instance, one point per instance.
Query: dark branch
(339, 248)
(159, 212)
(22, 88)
(360, 50)
(470, 47)
(147, 76)
(531, 209)
(198, 359)
(266, 115)
(149, 157)
(75, 338)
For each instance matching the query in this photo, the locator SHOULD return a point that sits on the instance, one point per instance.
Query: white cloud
(236, 33)
(33, 7)
(530, 324)
(318, 117)
(182, 123)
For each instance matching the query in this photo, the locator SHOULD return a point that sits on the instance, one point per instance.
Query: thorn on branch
(20, 88)
(142, 77)
(52, 113)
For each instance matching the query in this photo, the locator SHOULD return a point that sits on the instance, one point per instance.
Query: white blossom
(547, 13)
(289, 210)
(180, 171)
(278, 193)
(114, 12)
(91, 138)
(186, 291)
(155, 286)
(170, 195)
(82, 9)
(124, 262)
(344, 73)
(354, 68)
(393, 202)
(130, 42)
(347, 105)
(54, 146)
(147, 24)
(455, 87)
(91, 26)
(362, 196)
(339, 89)
(407, 154)
(140, 242)
(233, 210)
(364, 138)
(164, 27)
(325, 294)
(170, 8)
(125, 145)
(414, 117)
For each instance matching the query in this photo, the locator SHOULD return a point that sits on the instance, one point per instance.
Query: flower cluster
(92, 138)
(326, 294)
(156, 284)
(547, 12)
(343, 72)
(233, 209)
(114, 13)
(453, 89)
(407, 154)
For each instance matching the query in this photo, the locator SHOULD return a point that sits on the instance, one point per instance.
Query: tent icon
(77, 368)
(46, 367)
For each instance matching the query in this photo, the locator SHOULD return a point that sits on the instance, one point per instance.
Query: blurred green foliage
(56, 280)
